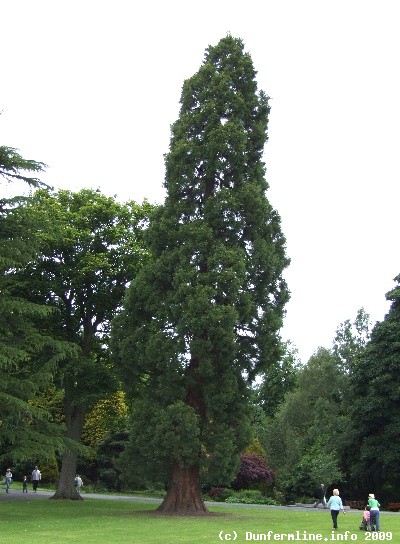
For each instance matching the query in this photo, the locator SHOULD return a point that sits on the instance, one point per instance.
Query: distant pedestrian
(78, 483)
(320, 496)
(36, 477)
(25, 485)
(374, 504)
(8, 480)
(335, 504)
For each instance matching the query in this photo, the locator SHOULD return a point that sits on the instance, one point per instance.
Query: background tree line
(339, 423)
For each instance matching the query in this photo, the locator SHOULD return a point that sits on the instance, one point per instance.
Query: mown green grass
(95, 521)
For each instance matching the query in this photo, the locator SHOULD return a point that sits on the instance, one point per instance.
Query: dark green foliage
(107, 455)
(28, 355)
(303, 439)
(13, 167)
(310, 438)
(90, 248)
(278, 380)
(102, 470)
(250, 496)
(351, 339)
(202, 318)
(376, 408)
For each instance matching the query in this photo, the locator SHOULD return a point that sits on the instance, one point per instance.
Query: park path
(18, 495)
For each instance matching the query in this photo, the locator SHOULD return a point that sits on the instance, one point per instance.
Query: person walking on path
(25, 485)
(78, 483)
(320, 496)
(36, 477)
(374, 504)
(8, 480)
(335, 504)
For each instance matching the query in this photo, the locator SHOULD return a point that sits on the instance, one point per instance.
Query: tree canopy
(27, 354)
(202, 318)
(310, 438)
(278, 379)
(91, 247)
(375, 411)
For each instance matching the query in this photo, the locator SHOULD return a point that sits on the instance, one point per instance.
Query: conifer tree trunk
(184, 493)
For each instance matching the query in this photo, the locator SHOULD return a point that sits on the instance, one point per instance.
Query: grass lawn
(95, 521)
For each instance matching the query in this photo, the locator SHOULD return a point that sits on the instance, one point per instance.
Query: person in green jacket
(374, 504)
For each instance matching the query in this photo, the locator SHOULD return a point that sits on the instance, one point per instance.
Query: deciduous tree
(351, 340)
(303, 439)
(91, 252)
(278, 379)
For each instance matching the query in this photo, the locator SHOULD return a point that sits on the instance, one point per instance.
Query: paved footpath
(18, 495)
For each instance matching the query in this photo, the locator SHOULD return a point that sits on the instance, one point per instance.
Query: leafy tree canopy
(376, 408)
(303, 434)
(278, 379)
(310, 438)
(91, 247)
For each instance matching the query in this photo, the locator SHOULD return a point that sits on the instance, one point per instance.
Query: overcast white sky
(91, 87)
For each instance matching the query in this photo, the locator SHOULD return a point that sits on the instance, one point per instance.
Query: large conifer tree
(202, 318)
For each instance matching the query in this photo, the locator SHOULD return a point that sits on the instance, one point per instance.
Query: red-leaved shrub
(254, 473)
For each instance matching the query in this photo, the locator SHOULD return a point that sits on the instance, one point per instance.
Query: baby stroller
(366, 524)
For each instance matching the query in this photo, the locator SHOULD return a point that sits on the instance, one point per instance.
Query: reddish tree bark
(184, 493)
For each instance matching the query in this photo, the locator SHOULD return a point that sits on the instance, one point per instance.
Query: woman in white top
(36, 477)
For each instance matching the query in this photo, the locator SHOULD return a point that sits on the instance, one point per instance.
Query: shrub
(254, 473)
(219, 493)
(250, 496)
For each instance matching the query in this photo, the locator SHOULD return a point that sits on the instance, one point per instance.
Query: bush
(250, 496)
(254, 473)
(219, 494)
(95, 488)
(279, 496)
